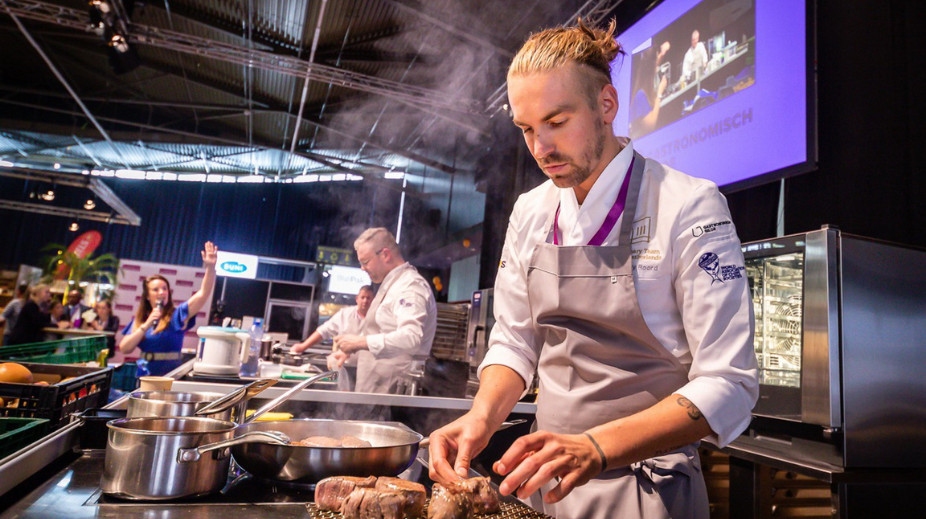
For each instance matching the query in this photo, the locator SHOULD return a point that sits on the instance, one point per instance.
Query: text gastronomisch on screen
(717, 88)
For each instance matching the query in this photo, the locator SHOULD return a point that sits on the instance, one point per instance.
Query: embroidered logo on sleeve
(406, 303)
(710, 264)
(700, 230)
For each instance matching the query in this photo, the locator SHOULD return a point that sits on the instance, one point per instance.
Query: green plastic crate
(86, 388)
(68, 351)
(16, 433)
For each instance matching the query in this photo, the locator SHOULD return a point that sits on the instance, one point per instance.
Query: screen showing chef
(701, 58)
(706, 87)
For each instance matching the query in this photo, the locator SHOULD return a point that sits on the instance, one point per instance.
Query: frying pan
(394, 449)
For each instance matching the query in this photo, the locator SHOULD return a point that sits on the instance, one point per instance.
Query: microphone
(160, 305)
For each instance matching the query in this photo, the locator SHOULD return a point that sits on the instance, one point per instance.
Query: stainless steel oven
(481, 321)
(841, 344)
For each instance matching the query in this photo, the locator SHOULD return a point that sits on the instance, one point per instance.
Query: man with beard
(639, 352)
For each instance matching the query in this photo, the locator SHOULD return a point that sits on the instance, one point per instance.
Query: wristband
(604, 461)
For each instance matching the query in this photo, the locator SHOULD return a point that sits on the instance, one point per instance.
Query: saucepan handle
(269, 437)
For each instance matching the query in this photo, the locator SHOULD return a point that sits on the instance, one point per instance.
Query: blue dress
(171, 339)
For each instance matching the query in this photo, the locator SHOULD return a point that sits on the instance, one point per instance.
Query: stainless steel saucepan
(228, 407)
(159, 458)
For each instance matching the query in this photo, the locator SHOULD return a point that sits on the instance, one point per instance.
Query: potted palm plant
(65, 265)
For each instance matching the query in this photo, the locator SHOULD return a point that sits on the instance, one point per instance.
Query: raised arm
(196, 302)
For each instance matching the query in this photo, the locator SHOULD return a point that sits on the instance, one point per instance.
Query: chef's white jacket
(345, 321)
(695, 59)
(408, 311)
(688, 271)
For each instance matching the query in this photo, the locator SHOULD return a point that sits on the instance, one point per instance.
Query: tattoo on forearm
(693, 412)
(666, 451)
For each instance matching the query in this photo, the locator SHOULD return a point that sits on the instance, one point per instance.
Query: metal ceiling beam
(63, 211)
(438, 20)
(140, 34)
(61, 78)
(101, 190)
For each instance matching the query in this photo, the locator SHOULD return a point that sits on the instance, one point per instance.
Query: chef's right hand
(454, 446)
(336, 359)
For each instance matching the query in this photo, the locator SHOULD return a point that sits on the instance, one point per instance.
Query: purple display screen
(717, 88)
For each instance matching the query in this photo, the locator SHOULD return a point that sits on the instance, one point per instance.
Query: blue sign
(234, 266)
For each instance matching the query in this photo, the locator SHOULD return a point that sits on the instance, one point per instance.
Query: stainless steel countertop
(73, 493)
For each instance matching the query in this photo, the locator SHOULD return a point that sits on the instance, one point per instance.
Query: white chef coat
(695, 59)
(345, 321)
(701, 314)
(408, 311)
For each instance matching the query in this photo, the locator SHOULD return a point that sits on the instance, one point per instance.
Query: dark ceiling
(217, 86)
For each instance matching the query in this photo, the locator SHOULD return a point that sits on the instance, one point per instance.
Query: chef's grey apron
(381, 375)
(600, 362)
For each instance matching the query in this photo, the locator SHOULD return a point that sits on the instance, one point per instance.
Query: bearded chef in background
(399, 327)
(622, 283)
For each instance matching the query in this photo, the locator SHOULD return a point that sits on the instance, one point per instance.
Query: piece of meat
(369, 503)
(353, 441)
(485, 498)
(415, 493)
(318, 441)
(450, 502)
(330, 493)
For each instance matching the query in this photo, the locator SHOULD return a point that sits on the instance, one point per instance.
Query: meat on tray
(460, 498)
(369, 503)
(395, 498)
(335, 493)
(325, 441)
(450, 502)
(330, 493)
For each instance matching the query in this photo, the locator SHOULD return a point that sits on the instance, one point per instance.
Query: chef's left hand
(350, 343)
(535, 459)
(209, 255)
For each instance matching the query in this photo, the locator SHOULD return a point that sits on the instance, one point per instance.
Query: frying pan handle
(242, 394)
(289, 394)
(423, 444)
(270, 437)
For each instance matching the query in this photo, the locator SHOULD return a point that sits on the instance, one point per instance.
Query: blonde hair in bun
(592, 48)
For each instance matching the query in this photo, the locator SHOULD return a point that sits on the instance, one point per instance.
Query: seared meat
(415, 493)
(450, 502)
(368, 503)
(330, 493)
(353, 441)
(319, 441)
(485, 498)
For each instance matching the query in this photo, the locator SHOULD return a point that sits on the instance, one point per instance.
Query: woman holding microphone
(159, 326)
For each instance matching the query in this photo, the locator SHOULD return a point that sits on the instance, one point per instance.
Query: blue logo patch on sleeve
(710, 264)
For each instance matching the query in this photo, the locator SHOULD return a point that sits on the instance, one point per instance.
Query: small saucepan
(157, 458)
(227, 407)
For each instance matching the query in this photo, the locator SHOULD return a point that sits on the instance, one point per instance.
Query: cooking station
(60, 476)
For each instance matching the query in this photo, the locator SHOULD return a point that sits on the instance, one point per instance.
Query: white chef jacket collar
(577, 224)
(393, 273)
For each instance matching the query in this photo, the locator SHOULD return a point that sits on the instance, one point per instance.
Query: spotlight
(57, 165)
(74, 227)
(100, 14)
(89, 205)
(48, 196)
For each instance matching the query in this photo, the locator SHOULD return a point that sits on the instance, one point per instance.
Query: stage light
(89, 205)
(48, 196)
(74, 227)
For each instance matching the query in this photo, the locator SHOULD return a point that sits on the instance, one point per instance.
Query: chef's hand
(535, 459)
(454, 446)
(209, 255)
(351, 343)
(336, 359)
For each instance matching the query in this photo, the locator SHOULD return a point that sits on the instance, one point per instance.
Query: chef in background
(346, 321)
(399, 327)
(640, 351)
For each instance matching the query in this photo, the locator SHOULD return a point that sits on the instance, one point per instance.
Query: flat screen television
(721, 89)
